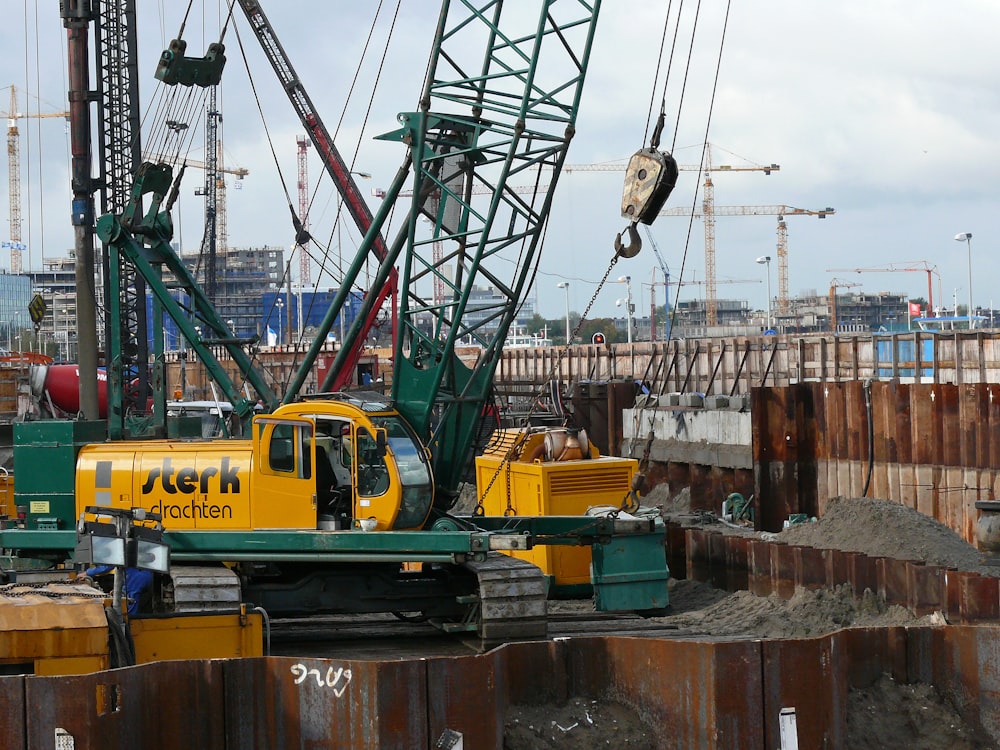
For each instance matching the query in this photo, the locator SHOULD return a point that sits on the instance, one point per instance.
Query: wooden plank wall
(936, 448)
(734, 365)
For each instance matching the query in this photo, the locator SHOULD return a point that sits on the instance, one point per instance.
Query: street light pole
(966, 237)
(627, 280)
(766, 260)
(565, 285)
(279, 304)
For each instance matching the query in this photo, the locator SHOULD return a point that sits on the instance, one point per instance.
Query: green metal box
(630, 573)
(45, 468)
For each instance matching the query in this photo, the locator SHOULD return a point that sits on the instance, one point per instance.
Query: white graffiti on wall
(337, 679)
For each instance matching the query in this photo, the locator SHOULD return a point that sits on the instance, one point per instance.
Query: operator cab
(370, 473)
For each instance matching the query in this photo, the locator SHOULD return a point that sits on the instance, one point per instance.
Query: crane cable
(701, 163)
(322, 261)
(512, 452)
(192, 104)
(655, 139)
(647, 449)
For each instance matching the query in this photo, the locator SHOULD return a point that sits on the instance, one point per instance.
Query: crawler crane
(340, 502)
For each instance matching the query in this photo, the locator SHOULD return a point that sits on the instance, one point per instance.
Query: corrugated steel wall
(936, 448)
(724, 695)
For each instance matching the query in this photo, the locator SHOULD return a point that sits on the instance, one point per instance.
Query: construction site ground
(886, 714)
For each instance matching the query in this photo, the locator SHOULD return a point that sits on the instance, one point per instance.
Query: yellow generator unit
(61, 629)
(551, 472)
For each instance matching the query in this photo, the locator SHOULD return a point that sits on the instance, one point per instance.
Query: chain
(505, 464)
(61, 590)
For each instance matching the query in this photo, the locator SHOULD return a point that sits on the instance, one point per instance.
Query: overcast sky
(885, 110)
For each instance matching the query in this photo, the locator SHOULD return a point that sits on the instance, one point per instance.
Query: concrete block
(692, 399)
(673, 399)
(717, 402)
(740, 402)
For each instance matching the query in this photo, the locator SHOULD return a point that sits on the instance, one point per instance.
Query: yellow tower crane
(15, 244)
(709, 212)
(781, 211)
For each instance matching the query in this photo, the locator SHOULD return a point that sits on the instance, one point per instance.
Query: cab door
(284, 491)
(376, 496)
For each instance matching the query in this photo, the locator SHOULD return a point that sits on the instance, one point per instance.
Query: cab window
(287, 449)
(373, 474)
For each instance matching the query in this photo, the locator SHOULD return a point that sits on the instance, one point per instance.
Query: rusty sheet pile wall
(726, 366)
(936, 448)
(762, 567)
(694, 694)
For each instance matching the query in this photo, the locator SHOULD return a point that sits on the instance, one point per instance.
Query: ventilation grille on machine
(600, 480)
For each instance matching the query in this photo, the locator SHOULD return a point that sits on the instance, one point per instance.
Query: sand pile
(698, 609)
(886, 529)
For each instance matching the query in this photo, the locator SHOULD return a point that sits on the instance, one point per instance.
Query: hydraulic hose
(867, 386)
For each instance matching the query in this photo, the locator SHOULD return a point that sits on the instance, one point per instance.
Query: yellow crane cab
(330, 463)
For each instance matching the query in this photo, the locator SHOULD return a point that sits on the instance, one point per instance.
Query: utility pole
(76, 18)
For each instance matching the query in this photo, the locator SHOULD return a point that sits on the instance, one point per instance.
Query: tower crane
(652, 290)
(215, 192)
(14, 176)
(836, 284)
(302, 146)
(708, 210)
(781, 211)
(905, 266)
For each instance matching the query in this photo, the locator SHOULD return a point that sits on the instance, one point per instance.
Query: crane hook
(634, 243)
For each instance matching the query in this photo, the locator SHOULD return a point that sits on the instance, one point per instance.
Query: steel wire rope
(343, 113)
(180, 33)
(704, 148)
(254, 353)
(687, 71)
(322, 260)
(504, 464)
(339, 216)
(687, 241)
(206, 229)
(659, 63)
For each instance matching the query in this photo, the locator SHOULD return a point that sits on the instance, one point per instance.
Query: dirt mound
(916, 717)
(579, 724)
(661, 496)
(698, 609)
(881, 528)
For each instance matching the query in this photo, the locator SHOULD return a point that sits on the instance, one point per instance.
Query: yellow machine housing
(538, 483)
(61, 628)
(308, 464)
(232, 635)
(65, 632)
